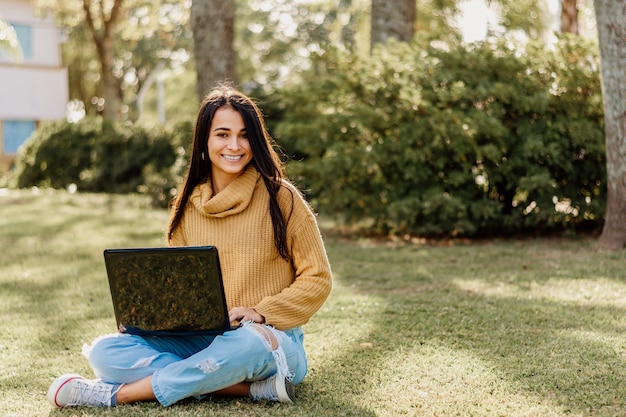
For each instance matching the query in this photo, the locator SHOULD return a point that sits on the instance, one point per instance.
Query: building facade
(33, 86)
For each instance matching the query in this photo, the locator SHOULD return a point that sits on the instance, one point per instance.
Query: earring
(202, 156)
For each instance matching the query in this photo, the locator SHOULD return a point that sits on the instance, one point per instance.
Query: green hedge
(101, 156)
(493, 139)
(437, 140)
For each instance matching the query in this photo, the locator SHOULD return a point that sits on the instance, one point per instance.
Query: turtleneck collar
(231, 200)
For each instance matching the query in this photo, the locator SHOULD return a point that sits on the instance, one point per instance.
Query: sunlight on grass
(599, 291)
(449, 382)
(502, 328)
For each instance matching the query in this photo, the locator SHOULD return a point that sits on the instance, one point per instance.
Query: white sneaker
(73, 390)
(273, 389)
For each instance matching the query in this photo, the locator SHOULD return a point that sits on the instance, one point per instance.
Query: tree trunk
(392, 19)
(611, 23)
(102, 34)
(110, 85)
(212, 24)
(569, 16)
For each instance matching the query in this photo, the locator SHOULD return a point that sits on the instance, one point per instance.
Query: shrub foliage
(491, 139)
(100, 156)
(416, 139)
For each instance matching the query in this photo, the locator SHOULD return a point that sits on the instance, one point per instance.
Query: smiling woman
(275, 271)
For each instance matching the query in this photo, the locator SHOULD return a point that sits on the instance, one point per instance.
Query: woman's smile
(233, 158)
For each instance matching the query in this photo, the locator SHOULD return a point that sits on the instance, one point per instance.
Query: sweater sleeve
(297, 303)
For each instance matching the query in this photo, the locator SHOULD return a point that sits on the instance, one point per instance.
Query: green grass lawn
(500, 328)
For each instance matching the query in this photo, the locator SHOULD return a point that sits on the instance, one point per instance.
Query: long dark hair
(265, 159)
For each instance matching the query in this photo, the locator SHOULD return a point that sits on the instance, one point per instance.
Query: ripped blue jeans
(192, 366)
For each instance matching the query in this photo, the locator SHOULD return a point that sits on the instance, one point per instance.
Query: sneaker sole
(285, 393)
(56, 386)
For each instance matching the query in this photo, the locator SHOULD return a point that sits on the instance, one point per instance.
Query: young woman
(275, 270)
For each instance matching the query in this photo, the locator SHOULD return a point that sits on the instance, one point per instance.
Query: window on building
(25, 37)
(15, 134)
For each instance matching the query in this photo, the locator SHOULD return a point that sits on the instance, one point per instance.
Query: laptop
(167, 291)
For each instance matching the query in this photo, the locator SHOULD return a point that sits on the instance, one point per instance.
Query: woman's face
(228, 147)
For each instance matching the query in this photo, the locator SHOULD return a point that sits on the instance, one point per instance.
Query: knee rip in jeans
(270, 339)
(267, 334)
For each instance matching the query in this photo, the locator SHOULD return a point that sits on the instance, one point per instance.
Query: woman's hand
(242, 314)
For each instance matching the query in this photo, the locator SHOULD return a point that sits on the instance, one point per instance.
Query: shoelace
(91, 393)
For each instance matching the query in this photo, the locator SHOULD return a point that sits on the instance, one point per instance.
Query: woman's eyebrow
(228, 129)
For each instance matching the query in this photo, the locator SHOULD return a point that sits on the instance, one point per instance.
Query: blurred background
(439, 118)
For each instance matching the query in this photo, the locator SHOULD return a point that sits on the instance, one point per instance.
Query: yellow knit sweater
(237, 222)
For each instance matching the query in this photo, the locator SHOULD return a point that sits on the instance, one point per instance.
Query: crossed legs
(142, 390)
